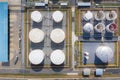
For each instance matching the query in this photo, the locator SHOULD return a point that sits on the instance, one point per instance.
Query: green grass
(109, 5)
(25, 37)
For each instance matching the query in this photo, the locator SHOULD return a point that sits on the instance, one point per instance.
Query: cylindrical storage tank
(36, 35)
(36, 16)
(100, 27)
(57, 16)
(104, 53)
(36, 56)
(100, 15)
(57, 35)
(112, 15)
(57, 57)
(88, 27)
(112, 27)
(88, 15)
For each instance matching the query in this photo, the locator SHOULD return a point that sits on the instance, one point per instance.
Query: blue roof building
(99, 72)
(4, 32)
(84, 4)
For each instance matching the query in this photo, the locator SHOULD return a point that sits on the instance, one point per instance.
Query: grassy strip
(109, 4)
(78, 58)
(25, 36)
(78, 25)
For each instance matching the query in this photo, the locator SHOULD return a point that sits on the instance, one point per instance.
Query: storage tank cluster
(36, 35)
(57, 35)
(105, 54)
(100, 15)
(100, 27)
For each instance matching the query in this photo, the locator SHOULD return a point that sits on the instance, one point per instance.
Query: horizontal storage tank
(112, 15)
(57, 35)
(36, 35)
(88, 27)
(36, 16)
(88, 15)
(112, 27)
(100, 15)
(57, 16)
(36, 56)
(104, 53)
(100, 27)
(57, 57)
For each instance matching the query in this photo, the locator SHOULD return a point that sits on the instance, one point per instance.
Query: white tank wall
(104, 53)
(57, 35)
(57, 57)
(100, 15)
(36, 16)
(57, 16)
(113, 15)
(108, 28)
(88, 27)
(88, 15)
(36, 56)
(100, 27)
(36, 35)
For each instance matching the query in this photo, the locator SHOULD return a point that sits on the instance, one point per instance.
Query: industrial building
(4, 45)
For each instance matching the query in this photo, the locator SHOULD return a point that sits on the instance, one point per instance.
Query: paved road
(72, 2)
(114, 39)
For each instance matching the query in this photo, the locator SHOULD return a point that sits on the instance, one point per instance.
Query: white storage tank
(112, 27)
(57, 16)
(100, 27)
(88, 15)
(36, 56)
(57, 35)
(36, 16)
(36, 35)
(57, 57)
(88, 27)
(104, 53)
(112, 15)
(100, 15)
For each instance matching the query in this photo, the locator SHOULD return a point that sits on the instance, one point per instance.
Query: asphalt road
(72, 2)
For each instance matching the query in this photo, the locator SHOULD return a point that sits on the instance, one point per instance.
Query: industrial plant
(59, 39)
